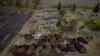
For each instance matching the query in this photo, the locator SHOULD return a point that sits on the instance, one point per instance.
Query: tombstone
(80, 48)
(82, 40)
(71, 47)
(87, 37)
(30, 51)
(73, 40)
(28, 37)
(64, 48)
(14, 48)
(91, 37)
(20, 51)
(35, 46)
(25, 47)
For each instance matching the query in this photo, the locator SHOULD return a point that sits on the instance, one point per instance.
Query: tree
(60, 9)
(62, 12)
(36, 3)
(73, 8)
(18, 3)
(27, 3)
(1, 3)
(59, 6)
(96, 9)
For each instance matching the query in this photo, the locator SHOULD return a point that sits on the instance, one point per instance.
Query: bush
(59, 6)
(93, 24)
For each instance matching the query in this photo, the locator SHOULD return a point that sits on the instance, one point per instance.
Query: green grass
(93, 24)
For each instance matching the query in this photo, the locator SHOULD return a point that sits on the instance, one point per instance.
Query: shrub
(96, 9)
(93, 24)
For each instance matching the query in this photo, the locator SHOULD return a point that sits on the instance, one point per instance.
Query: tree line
(20, 3)
(96, 9)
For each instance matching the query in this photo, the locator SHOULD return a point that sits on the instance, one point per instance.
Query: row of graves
(50, 45)
(45, 20)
